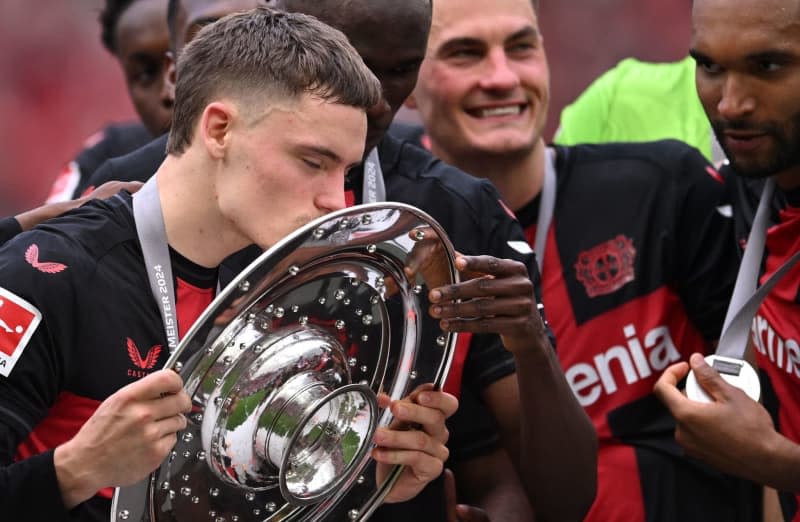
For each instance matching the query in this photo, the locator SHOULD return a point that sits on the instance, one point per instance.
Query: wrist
(784, 461)
(534, 347)
(74, 477)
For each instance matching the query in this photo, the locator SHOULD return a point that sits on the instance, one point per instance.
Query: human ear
(168, 69)
(215, 128)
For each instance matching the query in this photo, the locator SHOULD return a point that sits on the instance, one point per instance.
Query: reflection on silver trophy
(284, 368)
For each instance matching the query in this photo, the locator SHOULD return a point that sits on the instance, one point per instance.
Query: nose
(736, 99)
(331, 193)
(500, 74)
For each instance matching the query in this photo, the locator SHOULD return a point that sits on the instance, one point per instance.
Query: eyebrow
(768, 55)
(524, 33)
(698, 56)
(468, 41)
(773, 55)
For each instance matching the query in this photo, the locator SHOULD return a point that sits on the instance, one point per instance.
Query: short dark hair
(109, 17)
(267, 53)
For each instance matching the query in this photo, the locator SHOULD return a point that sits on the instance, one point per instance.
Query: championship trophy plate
(284, 368)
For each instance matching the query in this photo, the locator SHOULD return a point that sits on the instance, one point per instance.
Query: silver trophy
(284, 368)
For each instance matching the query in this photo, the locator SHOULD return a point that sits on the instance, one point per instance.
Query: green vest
(639, 101)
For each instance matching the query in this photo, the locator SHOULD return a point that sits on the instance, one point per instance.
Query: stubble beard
(784, 154)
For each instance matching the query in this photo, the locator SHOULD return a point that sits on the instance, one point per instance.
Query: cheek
(535, 77)
(139, 98)
(448, 88)
(709, 94)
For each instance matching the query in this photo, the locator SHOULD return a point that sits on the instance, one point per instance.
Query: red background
(58, 85)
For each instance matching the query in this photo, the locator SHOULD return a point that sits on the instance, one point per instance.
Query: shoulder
(417, 173)
(138, 165)
(672, 159)
(407, 132)
(118, 139)
(469, 209)
(69, 244)
(114, 140)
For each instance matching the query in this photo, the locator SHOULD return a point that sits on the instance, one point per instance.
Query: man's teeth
(500, 111)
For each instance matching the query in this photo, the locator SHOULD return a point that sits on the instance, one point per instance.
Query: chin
(510, 147)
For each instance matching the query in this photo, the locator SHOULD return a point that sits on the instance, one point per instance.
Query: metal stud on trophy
(284, 368)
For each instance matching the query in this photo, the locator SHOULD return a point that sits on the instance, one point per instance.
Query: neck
(789, 179)
(195, 227)
(519, 178)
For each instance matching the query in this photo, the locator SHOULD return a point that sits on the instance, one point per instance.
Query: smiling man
(638, 261)
(748, 79)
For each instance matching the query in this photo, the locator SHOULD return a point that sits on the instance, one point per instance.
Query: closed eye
(312, 164)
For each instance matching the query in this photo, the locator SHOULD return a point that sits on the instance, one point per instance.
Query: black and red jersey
(638, 270)
(469, 210)
(776, 336)
(471, 213)
(114, 140)
(77, 322)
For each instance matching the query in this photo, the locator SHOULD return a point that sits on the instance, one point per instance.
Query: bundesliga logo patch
(18, 321)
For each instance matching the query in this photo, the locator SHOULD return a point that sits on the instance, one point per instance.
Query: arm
(45, 482)
(734, 433)
(490, 484)
(128, 436)
(557, 458)
(31, 218)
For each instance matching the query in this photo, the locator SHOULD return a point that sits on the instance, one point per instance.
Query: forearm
(558, 456)
(779, 468)
(33, 217)
(491, 483)
(75, 481)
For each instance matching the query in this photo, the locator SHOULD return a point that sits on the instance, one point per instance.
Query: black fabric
(639, 268)
(90, 309)
(407, 132)
(469, 210)
(117, 140)
(9, 227)
(744, 195)
(137, 165)
(668, 196)
(675, 487)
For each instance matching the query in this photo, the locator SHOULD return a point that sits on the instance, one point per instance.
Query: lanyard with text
(547, 206)
(374, 189)
(153, 238)
(745, 301)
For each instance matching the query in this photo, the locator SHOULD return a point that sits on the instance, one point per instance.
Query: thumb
(709, 379)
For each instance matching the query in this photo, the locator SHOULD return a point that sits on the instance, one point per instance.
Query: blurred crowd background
(58, 85)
